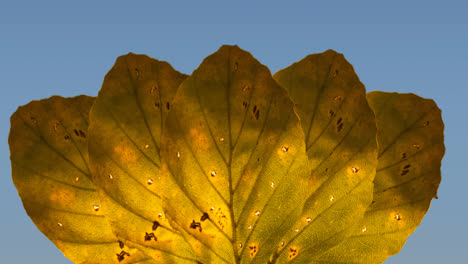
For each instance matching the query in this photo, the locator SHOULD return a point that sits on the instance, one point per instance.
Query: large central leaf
(236, 174)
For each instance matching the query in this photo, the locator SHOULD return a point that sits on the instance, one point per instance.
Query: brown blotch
(331, 113)
(121, 244)
(403, 155)
(339, 124)
(256, 112)
(67, 137)
(82, 134)
(149, 236)
(292, 252)
(405, 170)
(79, 133)
(121, 255)
(156, 224)
(195, 225)
(156, 105)
(168, 106)
(204, 217)
(253, 249)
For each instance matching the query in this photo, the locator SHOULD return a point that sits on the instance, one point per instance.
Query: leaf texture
(48, 146)
(340, 131)
(411, 147)
(234, 151)
(124, 148)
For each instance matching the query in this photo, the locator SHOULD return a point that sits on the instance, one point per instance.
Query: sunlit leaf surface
(234, 151)
(48, 146)
(125, 138)
(410, 137)
(340, 139)
(228, 165)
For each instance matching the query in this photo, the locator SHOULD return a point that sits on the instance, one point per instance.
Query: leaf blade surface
(340, 138)
(124, 149)
(48, 145)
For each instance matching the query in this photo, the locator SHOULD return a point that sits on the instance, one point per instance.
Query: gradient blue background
(66, 47)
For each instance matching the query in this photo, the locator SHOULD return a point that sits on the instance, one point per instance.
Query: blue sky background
(66, 47)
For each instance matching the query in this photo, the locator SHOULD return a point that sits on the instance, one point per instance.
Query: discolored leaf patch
(340, 131)
(49, 159)
(411, 147)
(228, 165)
(124, 143)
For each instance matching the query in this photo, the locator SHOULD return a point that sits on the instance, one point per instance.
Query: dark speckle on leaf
(156, 224)
(195, 225)
(204, 217)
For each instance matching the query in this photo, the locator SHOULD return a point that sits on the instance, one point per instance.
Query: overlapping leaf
(232, 97)
(219, 168)
(48, 146)
(411, 147)
(405, 182)
(125, 137)
(340, 138)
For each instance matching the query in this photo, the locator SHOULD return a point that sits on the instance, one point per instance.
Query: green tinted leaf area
(228, 165)
(48, 145)
(125, 137)
(410, 137)
(340, 130)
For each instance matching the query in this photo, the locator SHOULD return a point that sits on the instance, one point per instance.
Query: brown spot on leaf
(253, 249)
(292, 252)
(149, 236)
(121, 256)
(195, 225)
(405, 170)
(156, 224)
(204, 217)
(339, 124)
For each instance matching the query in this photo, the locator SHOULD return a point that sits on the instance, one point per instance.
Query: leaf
(48, 146)
(411, 147)
(125, 137)
(340, 131)
(237, 181)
